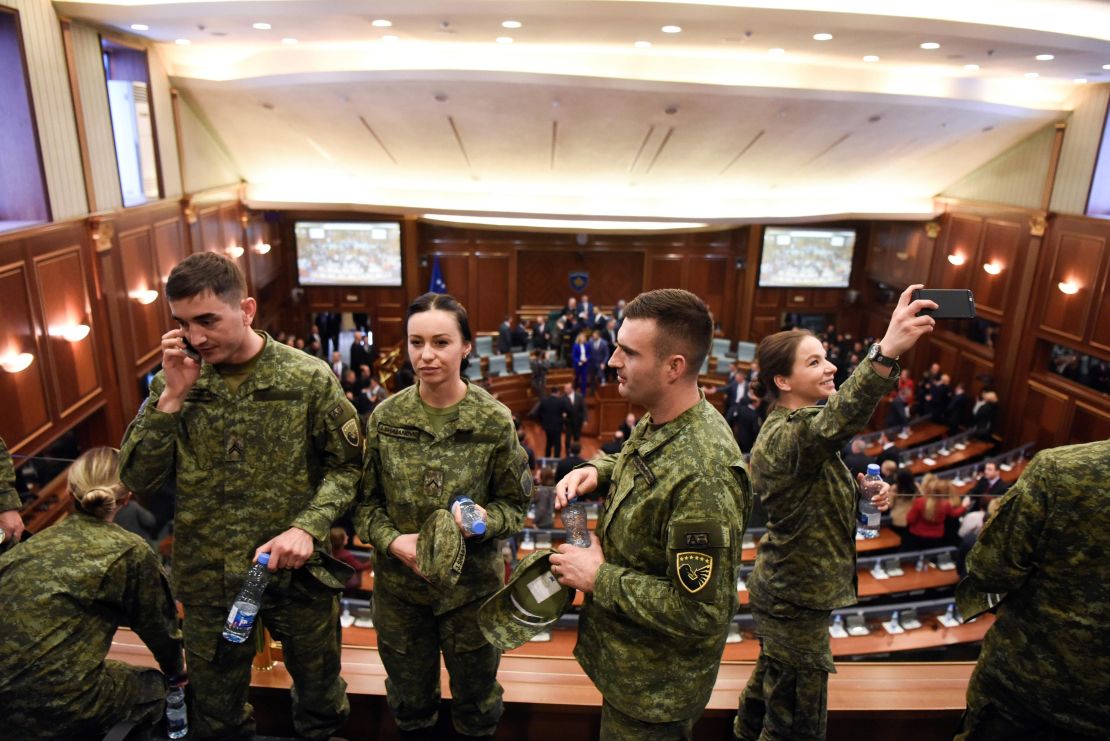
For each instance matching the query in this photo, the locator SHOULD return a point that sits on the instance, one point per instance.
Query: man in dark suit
(505, 337)
(552, 411)
(541, 334)
(857, 460)
(360, 351)
(898, 414)
(613, 446)
(520, 336)
(985, 413)
(748, 422)
(566, 464)
(989, 485)
(937, 396)
(955, 412)
(599, 356)
(888, 451)
(576, 413)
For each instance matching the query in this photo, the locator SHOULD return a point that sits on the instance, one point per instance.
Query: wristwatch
(875, 355)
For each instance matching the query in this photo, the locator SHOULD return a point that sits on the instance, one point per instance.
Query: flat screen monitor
(810, 258)
(348, 253)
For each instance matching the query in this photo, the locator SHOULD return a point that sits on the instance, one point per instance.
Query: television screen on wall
(810, 258)
(348, 253)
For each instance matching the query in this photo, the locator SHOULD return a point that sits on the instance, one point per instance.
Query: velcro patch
(694, 570)
(277, 395)
(333, 415)
(200, 395)
(350, 432)
(405, 433)
(642, 467)
(698, 535)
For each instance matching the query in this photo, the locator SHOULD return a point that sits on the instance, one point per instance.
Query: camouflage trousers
(410, 638)
(787, 695)
(617, 726)
(119, 692)
(220, 672)
(990, 718)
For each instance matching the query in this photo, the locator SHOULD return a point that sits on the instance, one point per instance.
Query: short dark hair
(684, 322)
(775, 356)
(443, 302)
(206, 271)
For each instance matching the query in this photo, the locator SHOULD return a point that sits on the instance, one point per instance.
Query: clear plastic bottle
(574, 520)
(473, 520)
(868, 518)
(244, 610)
(177, 717)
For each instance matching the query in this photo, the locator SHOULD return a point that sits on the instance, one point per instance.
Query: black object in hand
(952, 303)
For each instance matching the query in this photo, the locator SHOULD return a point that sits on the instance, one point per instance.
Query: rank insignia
(350, 431)
(694, 570)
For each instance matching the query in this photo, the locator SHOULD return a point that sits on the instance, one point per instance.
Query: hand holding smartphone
(952, 303)
(189, 350)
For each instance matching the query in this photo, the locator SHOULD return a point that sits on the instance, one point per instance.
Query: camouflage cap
(530, 602)
(440, 549)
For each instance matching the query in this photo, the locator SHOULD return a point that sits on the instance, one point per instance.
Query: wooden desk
(910, 581)
(920, 434)
(887, 539)
(974, 449)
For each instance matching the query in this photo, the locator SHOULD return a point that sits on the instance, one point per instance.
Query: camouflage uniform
(65, 592)
(1044, 670)
(806, 565)
(410, 471)
(282, 451)
(9, 498)
(652, 632)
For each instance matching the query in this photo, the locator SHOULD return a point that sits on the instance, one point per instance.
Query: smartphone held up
(952, 303)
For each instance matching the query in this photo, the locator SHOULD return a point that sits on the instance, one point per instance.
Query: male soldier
(660, 575)
(10, 521)
(266, 451)
(1045, 663)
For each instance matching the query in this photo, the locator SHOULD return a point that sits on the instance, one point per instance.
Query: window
(132, 113)
(1073, 365)
(23, 199)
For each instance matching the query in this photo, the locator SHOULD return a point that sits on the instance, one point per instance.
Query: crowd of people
(267, 454)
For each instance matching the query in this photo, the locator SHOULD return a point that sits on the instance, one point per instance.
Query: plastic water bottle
(867, 521)
(244, 610)
(473, 521)
(574, 520)
(921, 564)
(177, 718)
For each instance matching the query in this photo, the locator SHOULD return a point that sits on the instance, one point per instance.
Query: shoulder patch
(694, 570)
(405, 433)
(351, 433)
(699, 535)
(334, 414)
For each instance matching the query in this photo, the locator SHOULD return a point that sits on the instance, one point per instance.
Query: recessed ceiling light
(642, 44)
(1080, 80)
(776, 52)
(182, 42)
(930, 45)
(671, 29)
(871, 58)
(1031, 75)
(390, 38)
(140, 27)
(511, 24)
(1044, 57)
(289, 40)
(504, 39)
(822, 37)
(381, 23)
(1106, 66)
(971, 67)
(262, 26)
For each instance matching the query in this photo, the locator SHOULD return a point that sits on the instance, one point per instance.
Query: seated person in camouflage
(65, 592)
(660, 575)
(427, 444)
(806, 564)
(265, 450)
(11, 523)
(1044, 670)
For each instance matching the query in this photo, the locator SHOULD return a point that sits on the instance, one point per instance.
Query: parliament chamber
(280, 162)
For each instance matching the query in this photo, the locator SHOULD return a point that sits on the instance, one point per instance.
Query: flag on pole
(437, 284)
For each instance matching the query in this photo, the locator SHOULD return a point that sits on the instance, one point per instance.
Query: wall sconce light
(144, 297)
(263, 248)
(1069, 287)
(957, 259)
(71, 332)
(16, 362)
(235, 251)
(992, 268)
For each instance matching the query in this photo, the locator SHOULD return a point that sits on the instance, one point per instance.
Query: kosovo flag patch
(694, 570)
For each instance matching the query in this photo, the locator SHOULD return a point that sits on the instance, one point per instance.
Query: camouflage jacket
(9, 498)
(652, 632)
(282, 451)
(808, 555)
(1048, 549)
(66, 590)
(409, 472)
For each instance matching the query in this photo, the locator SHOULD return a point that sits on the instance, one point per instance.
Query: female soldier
(65, 592)
(806, 563)
(426, 445)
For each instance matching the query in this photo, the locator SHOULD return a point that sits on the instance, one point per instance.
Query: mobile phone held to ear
(952, 303)
(190, 350)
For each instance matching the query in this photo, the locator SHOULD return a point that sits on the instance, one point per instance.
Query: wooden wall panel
(1089, 423)
(169, 246)
(208, 223)
(706, 277)
(1000, 246)
(961, 236)
(543, 275)
(1071, 257)
(26, 411)
(65, 302)
(664, 271)
(455, 269)
(490, 302)
(1100, 331)
(1044, 416)
(230, 226)
(140, 273)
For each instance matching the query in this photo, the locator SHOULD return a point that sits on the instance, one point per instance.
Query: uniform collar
(645, 441)
(263, 375)
(467, 421)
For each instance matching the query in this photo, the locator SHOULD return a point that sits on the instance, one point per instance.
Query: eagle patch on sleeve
(697, 548)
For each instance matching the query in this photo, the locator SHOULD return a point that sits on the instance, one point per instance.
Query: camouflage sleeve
(697, 595)
(1002, 558)
(848, 410)
(511, 487)
(604, 465)
(372, 520)
(337, 440)
(147, 454)
(9, 498)
(150, 608)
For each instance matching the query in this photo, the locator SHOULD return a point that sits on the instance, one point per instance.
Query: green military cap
(531, 601)
(440, 549)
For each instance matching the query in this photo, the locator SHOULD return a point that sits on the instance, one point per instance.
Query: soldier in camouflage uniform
(425, 445)
(65, 593)
(660, 577)
(10, 520)
(266, 452)
(806, 565)
(1044, 670)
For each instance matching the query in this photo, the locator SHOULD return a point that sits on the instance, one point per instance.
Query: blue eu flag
(437, 284)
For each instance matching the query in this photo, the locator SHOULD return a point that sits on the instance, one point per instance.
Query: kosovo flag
(437, 284)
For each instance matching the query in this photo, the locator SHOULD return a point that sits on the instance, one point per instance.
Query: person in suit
(586, 310)
(989, 486)
(551, 412)
(338, 367)
(566, 465)
(614, 446)
(749, 418)
(576, 413)
(599, 356)
(736, 394)
(857, 460)
(628, 424)
(520, 336)
(541, 334)
(360, 351)
(505, 336)
(898, 413)
(985, 414)
(888, 451)
(937, 395)
(957, 408)
(581, 362)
